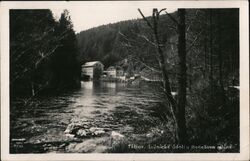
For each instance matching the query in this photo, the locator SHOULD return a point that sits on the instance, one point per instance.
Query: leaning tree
(177, 104)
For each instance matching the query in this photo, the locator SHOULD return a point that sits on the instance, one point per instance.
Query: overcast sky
(89, 14)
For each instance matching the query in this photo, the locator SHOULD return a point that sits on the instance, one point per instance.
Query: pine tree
(64, 63)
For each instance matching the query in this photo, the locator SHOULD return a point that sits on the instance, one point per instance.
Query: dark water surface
(113, 107)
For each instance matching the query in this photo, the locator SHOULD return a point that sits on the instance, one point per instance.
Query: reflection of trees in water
(97, 73)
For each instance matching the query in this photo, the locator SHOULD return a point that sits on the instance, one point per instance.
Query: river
(111, 108)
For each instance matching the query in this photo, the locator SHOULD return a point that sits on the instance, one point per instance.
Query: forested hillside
(212, 63)
(114, 42)
(206, 35)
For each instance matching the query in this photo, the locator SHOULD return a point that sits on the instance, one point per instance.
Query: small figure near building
(92, 70)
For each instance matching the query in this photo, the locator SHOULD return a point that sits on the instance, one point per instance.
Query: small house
(111, 72)
(114, 72)
(119, 71)
(92, 70)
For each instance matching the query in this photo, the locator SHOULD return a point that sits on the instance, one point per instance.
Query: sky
(89, 14)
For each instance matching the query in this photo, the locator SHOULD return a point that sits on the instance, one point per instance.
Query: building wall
(119, 73)
(88, 71)
(111, 72)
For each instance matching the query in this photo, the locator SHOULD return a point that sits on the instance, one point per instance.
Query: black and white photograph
(125, 77)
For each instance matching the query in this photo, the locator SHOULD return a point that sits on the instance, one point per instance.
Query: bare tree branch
(36, 92)
(172, 27)
(195, 39)
(172, 18)
(149, 24)
(46, 56)
(161, 10)
(125, 37)
(190, 24)
(147, 66)
(145, 38)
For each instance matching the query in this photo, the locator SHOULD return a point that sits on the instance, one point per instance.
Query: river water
(39, 127)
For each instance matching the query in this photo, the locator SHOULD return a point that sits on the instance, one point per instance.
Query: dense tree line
(212, 64)
(213, 76)
(42, 52)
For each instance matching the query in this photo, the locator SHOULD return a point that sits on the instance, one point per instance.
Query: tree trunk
(211, 55)
(161, 60)
(32, 88)
(182, 79)
(177, 108)
(205, 44)
(220, 54)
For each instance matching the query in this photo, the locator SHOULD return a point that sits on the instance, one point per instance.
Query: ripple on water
(111, 107)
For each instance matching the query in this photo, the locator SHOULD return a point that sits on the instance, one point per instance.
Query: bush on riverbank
(214, 119)
(212, 125)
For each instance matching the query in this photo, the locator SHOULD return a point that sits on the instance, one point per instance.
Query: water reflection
(101, 96)
(87, 85)
(97, 88)
(109, 105)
